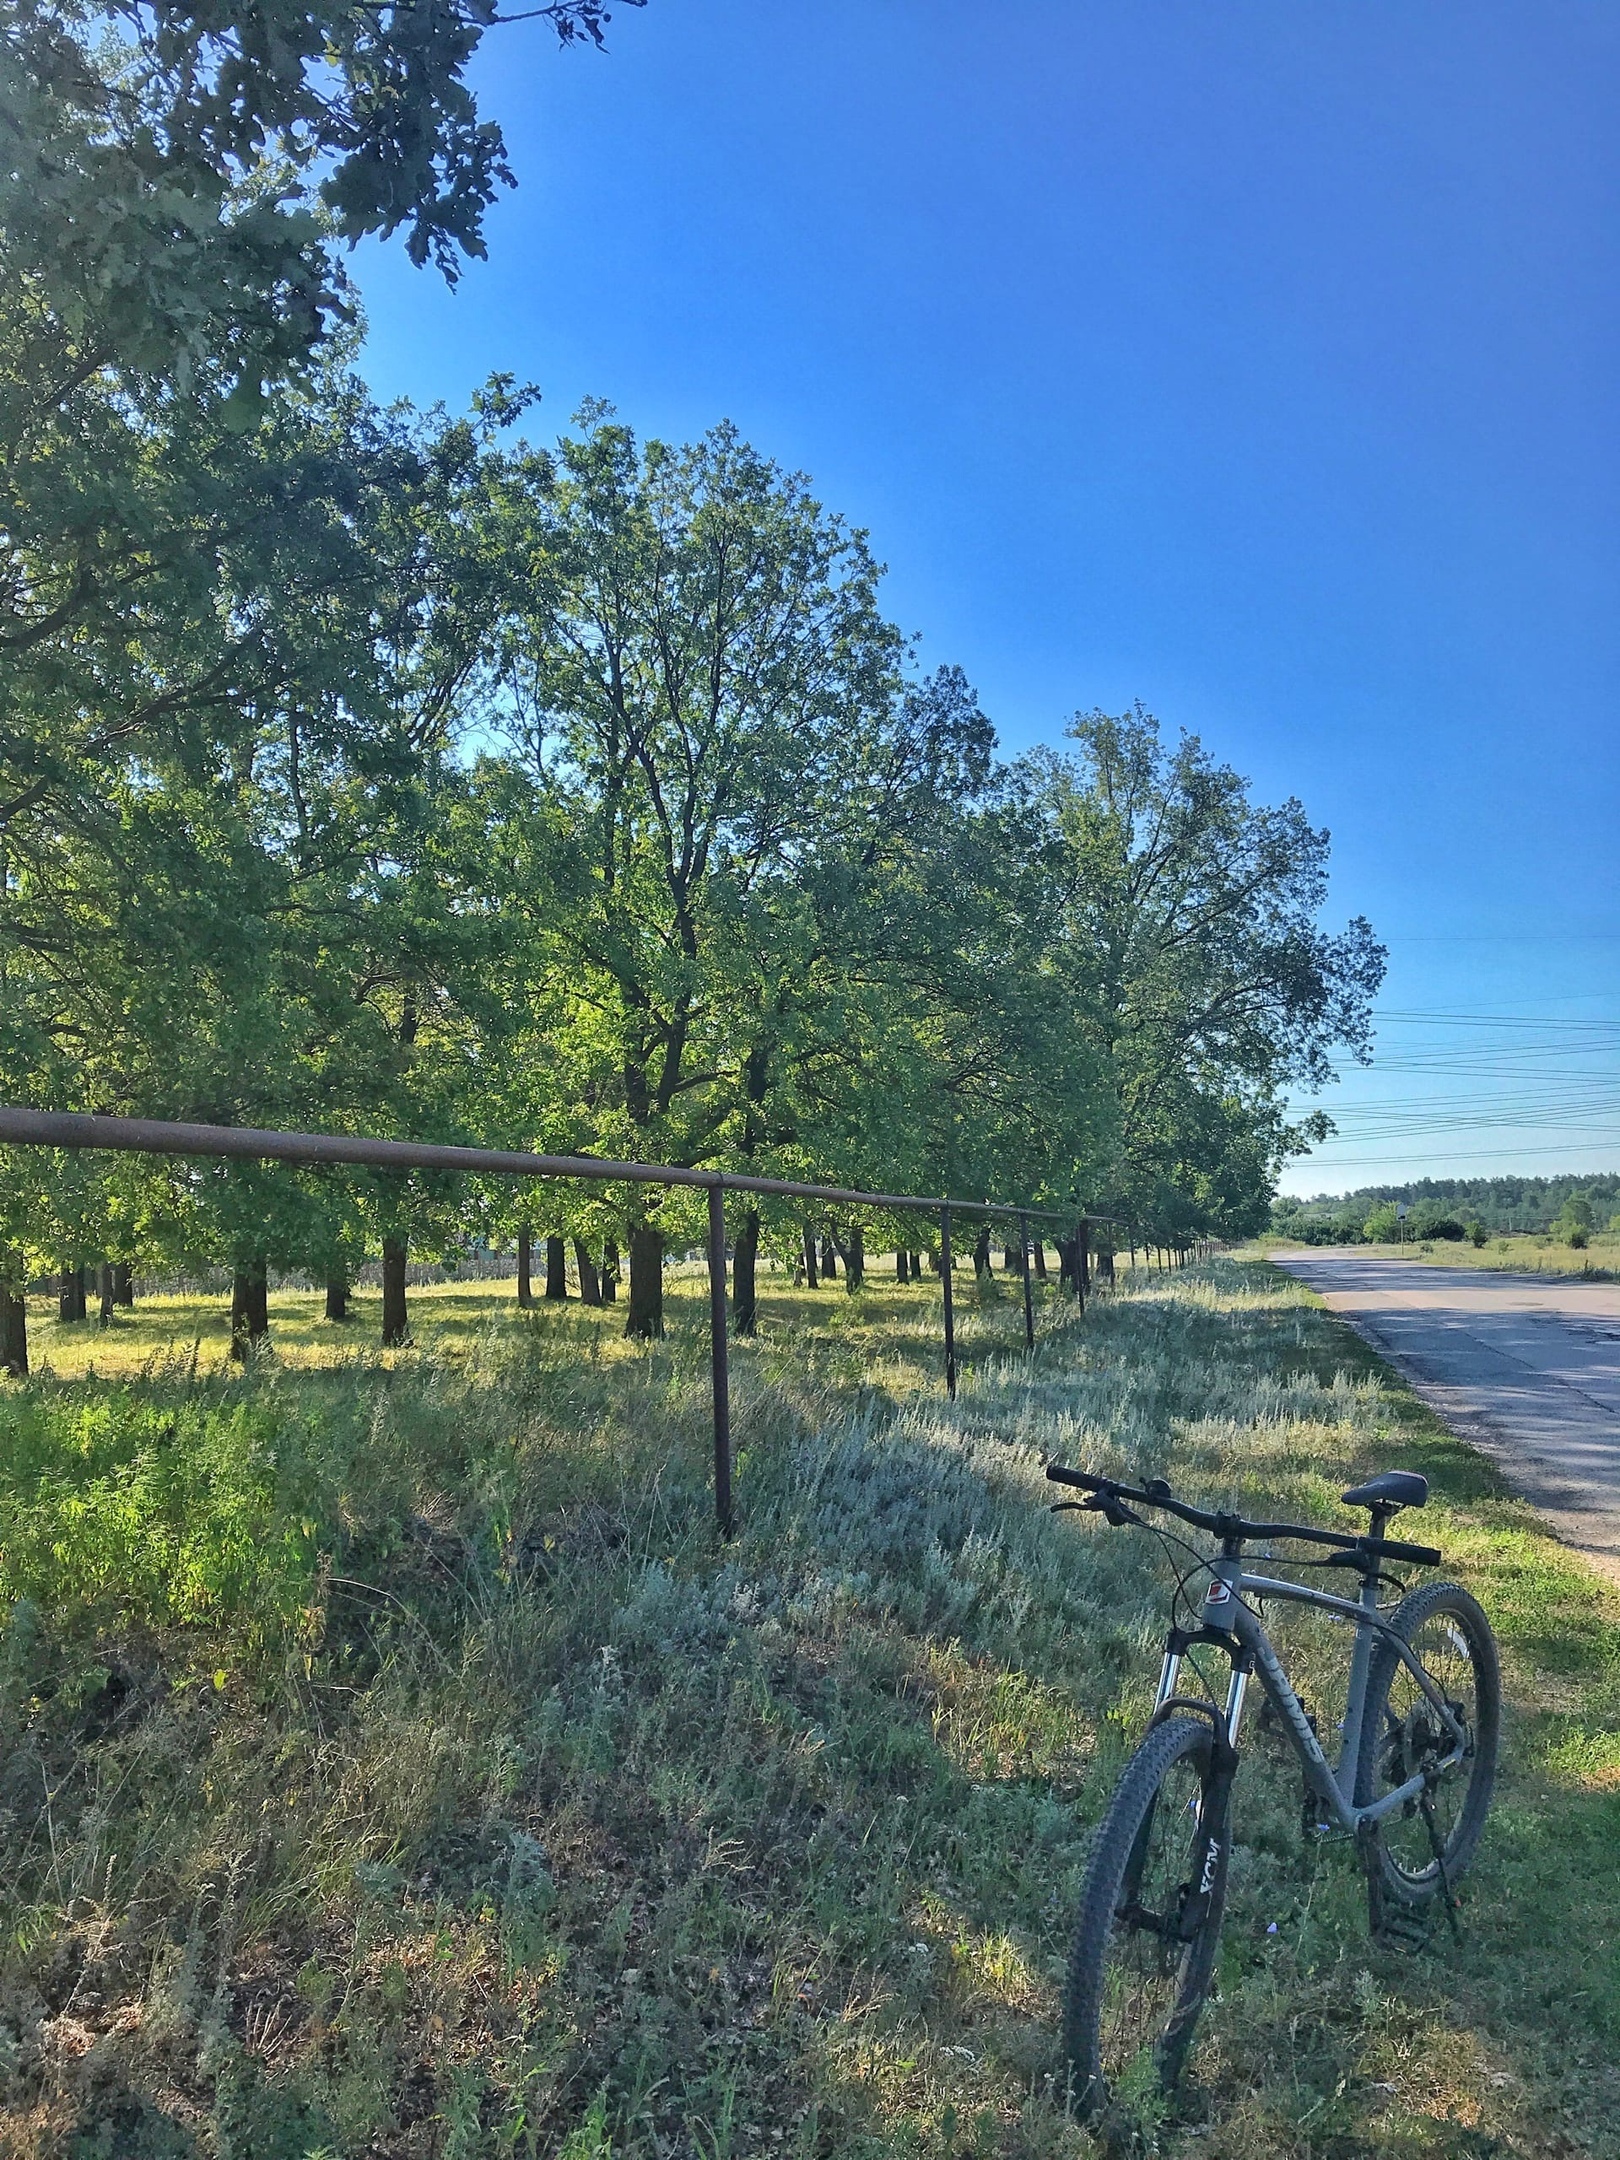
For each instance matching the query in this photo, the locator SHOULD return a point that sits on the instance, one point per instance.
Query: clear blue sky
(1258, 361)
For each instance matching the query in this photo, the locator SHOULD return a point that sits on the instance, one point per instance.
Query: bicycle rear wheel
(1150, 1923)
(1419, 1850)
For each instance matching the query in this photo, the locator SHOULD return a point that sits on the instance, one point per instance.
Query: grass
(1520, 1254)
(393, 1764)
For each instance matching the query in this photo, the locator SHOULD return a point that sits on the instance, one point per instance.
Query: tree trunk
(812, 1278)
(829, 1261)
(14, 1326)
(123, 1284)
(610, 1273)
(104, 1289)
(902, 1267)
(744, 1291)
(916, 1267)
(1037, 1253)
(981, 1254)
(1084, 1261)
(556, 1268)
(250, 1307)
(855, 1260)
(396, 1325)
(70, 1299)
(646, 1315)
(525, 1268)
(590, 1286)
(337, 1295)
(1010, 1263)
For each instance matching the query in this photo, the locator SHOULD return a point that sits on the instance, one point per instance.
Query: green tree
(1575, 1214)
(173, 173)
(695, 648)
(1185, 927)
(251, 918)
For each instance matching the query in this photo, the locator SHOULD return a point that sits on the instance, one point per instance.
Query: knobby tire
(1447, 1629)
(1134, 1992)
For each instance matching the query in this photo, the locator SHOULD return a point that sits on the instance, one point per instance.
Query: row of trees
(373, 770)
(1561, 1205)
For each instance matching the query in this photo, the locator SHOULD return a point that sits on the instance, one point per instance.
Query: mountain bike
(1412, 1783)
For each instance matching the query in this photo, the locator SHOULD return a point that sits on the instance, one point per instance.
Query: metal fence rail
(245, 1143)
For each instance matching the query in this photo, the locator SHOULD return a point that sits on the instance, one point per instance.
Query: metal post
(718, 1361)
(950, 1310)
(1029, 1301)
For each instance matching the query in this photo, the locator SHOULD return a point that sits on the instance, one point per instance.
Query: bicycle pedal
(1404, 1927)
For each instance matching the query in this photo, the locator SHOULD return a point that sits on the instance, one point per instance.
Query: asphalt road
(1526, 1368)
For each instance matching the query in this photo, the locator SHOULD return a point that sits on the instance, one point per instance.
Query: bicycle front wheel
(1150, 1922)
(1422, 1846)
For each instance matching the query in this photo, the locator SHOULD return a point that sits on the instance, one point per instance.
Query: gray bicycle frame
(1227, 1615)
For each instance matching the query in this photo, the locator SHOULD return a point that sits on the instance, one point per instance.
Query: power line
(1578, 1147)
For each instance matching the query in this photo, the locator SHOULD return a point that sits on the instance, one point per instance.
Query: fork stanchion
(719, 1361)
(950, 1309)
(1029, 1298)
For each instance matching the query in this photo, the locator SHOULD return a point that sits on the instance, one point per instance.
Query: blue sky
(1257, 361)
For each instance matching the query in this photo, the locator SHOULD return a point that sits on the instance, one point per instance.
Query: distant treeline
(1501, 1204)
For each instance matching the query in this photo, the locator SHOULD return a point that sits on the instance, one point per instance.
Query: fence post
(1080, 1263)
(1085, 1259)
(718, 1360)
(1023, 1260)
(950, 1309)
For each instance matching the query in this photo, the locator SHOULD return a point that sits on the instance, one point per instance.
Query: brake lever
(1100, 1504)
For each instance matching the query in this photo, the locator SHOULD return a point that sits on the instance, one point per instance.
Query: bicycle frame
(1234, 1628)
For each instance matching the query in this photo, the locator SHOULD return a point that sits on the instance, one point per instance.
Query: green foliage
(1575, 1216)
(1502, 1204)
(172, 174)
(156, 1504)
(1382, 1225)
(1190, 952)
(1477, 1234)
(1429, 1222)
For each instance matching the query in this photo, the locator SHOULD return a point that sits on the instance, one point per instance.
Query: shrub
(1383, 1225)
(1477, 1234)
(1578, 1237)
(1448, 1228)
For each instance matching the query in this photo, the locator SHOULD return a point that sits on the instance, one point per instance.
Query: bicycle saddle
(1390, 1489)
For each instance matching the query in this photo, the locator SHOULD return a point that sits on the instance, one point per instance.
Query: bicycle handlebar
(1236, 1527)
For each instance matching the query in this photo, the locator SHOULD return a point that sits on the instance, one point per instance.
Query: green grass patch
(393, 1763)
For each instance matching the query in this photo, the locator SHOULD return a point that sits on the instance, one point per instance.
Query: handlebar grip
(1419, 1555)
(1061, 1474)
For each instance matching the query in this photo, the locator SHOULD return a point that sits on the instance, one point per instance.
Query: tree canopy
(584, 797)
(378, 770)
